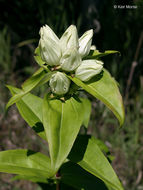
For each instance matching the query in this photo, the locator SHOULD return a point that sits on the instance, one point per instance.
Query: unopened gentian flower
(69, 39)
(66, 54)
(49, 46)
(85, 43)
(88, 69)
(70, 60)
(59, 83)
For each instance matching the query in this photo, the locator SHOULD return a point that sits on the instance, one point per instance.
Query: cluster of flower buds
(67, 53)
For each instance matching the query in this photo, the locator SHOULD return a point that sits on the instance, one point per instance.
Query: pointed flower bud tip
(69, 39)
(46, 32)
(85, 43)
(88, 69)
(49, 46)
(93, 47)
(59, 83)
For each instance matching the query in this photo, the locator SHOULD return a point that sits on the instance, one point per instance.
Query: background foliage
(119, 29)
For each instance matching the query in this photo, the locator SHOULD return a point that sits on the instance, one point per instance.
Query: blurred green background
(114, 29)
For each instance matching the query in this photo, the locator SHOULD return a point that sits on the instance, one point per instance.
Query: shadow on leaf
(95, 78)
(38, 127)
(72, 174)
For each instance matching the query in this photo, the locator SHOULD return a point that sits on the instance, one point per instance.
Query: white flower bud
(69, 39)
(46, 32)
(49, 46)
(99, 62)
(59, 83)
(85, 43)
(88, 69)
(93, 47)
(70, 60)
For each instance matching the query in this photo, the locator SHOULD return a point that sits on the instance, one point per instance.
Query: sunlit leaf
(15, 98)
(30, 108)
(38, 59)
(87, 111)
(104, 88)
(33, 81)
(34, 179)
(88, 155)
(25, 162)
(62, 121)
(95, 54)
(27, 86)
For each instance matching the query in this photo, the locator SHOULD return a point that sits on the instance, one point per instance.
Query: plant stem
(134, 64)
(57, 186)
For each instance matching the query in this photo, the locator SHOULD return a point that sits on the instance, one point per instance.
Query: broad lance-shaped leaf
(62, 121)
(88, 155)
(25, 162)
(71, 174)
(33, 80)
(105, 89)
(30, 108)
(27, 86)
(95, 54)
(87, 111)
(37, 179)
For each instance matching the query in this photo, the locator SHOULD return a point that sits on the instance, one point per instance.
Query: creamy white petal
(46, 32)
(85, 43)
(69, 39)
(50, 52)
(88, 69)
(70, 60)
(49, 46)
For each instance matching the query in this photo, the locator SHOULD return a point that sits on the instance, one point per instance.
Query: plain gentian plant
(76, 161)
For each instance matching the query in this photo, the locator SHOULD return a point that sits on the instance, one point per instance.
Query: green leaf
(30, 178)
(38, 59)
(88, 155)
(30, 108)
(87, 111)
(33, 81)
(101, 145)
(25, 162)
(62, 121)
(37, 51)
(45, 184)
(95, 54)
(27, 86)
(15, 99)
(72, 174)
(104, 149)
(46, 78)
(105, 88)
(41, 63)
